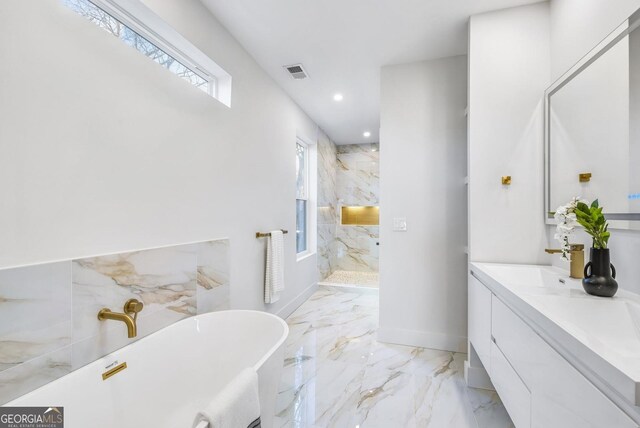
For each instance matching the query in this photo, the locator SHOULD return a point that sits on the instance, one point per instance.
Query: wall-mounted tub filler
(131, 307)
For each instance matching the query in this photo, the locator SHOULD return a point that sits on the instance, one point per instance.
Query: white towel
(236, 406)
(274, 272)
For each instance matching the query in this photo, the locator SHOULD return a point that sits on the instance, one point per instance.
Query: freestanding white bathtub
(171, 374)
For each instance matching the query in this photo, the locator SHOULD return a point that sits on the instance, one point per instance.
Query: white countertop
(599, 336)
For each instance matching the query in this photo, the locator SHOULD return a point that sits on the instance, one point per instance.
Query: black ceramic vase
(599, 274)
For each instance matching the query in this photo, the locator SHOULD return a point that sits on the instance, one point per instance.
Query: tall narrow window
(302, 197)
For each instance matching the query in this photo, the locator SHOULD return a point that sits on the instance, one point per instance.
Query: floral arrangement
(577, 212)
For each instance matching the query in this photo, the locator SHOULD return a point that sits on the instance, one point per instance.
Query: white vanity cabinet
(560, 395)
(480, 320)
(538, 386)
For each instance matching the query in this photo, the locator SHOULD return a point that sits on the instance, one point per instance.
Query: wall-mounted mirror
(592, 129)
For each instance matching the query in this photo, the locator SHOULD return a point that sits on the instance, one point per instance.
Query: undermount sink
(605, 324)
(529, 275)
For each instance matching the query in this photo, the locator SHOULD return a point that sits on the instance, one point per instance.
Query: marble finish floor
(337, 375)
(353, 278)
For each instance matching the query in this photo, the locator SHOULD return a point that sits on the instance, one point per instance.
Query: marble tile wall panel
(163, 279)
(358, 174)
(358, 183)
(327, 217)
(48, 323)
(356, 248)
(213, 284)
(35, 326)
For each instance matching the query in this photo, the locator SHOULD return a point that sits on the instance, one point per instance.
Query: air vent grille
(296, 71)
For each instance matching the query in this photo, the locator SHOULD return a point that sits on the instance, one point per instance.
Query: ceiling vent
(296, 71)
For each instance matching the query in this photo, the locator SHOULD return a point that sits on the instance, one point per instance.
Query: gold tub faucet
(132, 306)
(577, 259)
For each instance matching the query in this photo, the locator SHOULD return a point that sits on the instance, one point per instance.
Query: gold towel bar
(264, 235)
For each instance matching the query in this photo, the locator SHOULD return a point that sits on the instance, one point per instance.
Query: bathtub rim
(281, 340)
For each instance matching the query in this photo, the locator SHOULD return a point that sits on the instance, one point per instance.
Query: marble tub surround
(163, 279)
(35, 312)
(336, 374)
(35, 326)
(213, 281)
(48, 312)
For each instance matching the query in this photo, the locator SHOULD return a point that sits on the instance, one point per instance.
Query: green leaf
(594, 204)
(583, 207)
(580, 214)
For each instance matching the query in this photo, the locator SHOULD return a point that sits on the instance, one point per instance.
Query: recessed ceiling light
(338, 97)
(366, 134)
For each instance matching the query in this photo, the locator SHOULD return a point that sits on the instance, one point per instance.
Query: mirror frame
(619, 220)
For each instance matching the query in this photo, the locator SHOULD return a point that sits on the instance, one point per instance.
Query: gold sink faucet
(132, 306)
(577, 259)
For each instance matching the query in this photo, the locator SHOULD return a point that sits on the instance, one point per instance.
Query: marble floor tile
(336, 374)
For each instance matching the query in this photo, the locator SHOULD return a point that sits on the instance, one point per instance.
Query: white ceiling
(342, 45)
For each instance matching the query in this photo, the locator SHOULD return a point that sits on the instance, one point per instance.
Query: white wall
(103, 151)
(423, 299)
(576, 27)
(508, 73)
(579, 25)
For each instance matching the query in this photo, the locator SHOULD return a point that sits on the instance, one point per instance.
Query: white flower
(567, 221)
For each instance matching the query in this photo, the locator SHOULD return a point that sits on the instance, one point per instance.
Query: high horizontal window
(107, 15)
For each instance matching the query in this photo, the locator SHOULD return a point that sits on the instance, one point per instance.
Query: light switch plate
(399, 224)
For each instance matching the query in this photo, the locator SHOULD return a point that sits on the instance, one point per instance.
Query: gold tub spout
(132, 306)
(577, 259)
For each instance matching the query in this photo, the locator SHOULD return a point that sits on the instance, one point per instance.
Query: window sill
(305, 255)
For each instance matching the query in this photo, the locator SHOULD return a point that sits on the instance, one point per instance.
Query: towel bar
(265, 234)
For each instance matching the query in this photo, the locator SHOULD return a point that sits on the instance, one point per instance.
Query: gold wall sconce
(506, 180)
(585, 177)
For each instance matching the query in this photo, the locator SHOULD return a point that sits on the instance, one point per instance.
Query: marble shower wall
(358, 184)
(328, 217)
(358, 174)
(48, 322)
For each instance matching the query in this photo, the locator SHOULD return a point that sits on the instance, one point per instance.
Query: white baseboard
(477, 377)
(294, 304)
(423, 339)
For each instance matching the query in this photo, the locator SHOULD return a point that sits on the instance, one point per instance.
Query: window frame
(142, 20)
(305, 197)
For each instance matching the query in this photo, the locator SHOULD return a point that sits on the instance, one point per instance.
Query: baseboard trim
(423, 339)
(477, 377)
(294, 304)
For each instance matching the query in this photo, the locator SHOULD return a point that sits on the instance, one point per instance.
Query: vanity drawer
(480, 320)
(513, 392)
(560, 395)
(517, 341)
